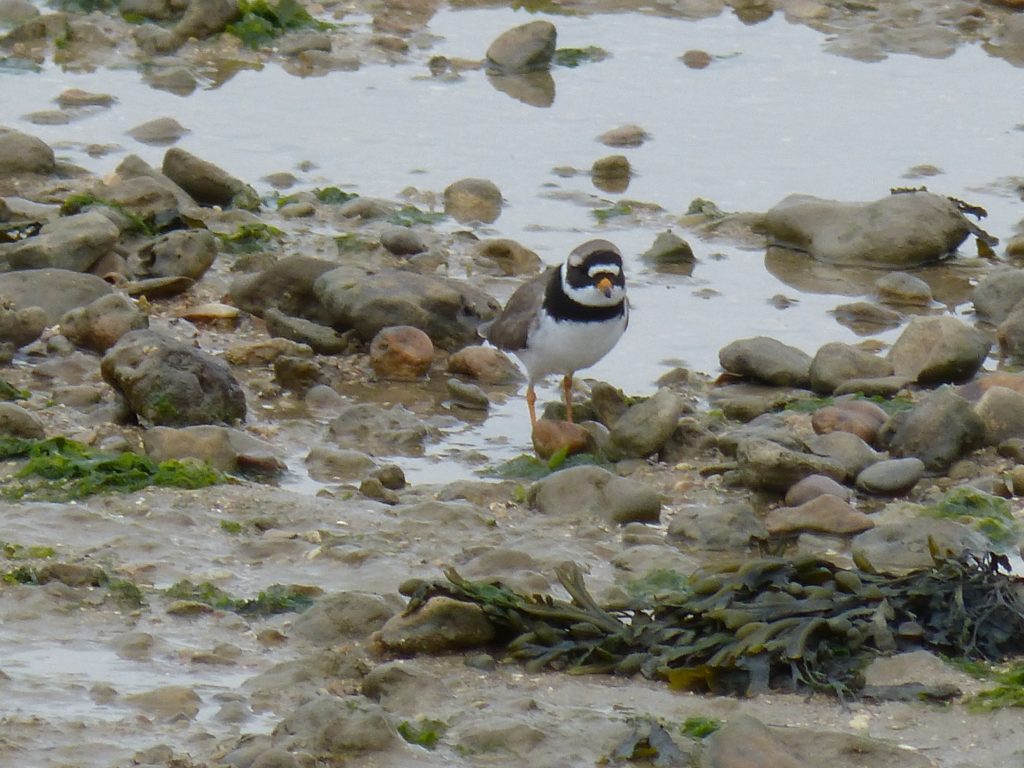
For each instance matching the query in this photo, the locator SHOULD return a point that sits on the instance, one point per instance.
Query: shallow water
(773, 114)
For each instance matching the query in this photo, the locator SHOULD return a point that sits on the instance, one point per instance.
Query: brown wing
(510, 330)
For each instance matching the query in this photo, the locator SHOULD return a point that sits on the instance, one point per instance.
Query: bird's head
(593, 274)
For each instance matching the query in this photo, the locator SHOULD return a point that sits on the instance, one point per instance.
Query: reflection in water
(950, 281)
(536, 89)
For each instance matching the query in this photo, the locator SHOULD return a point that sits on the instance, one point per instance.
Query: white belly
(566, 347)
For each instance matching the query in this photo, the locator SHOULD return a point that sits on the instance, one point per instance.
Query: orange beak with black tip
(604, 285)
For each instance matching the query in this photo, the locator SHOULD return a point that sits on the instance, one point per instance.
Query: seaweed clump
(60, 469)
(770, 623)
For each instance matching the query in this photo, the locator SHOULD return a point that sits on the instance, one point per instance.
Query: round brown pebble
(401, 352)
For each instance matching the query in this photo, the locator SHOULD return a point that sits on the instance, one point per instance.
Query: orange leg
(567, 390)
(531, 401)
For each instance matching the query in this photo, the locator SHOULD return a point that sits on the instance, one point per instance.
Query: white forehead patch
(599, 269)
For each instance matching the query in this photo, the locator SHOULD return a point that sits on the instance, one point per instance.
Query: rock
(767, 360)
(902, 547)
(611, 173)
(319, 338)
(405, 686)
(466, 395)
(265, 352)
(744, 742)
(903, 288)
(13, 12)
(223, 448)
(74, 243)
(17, 422)
(936, 350)
(335, 727)
(938, 430)
(891, 477)
(440, 625)
(327, 464)
(1010, 334)
(344, 616)
(836, 363)
(859, 417)
(73, 98)
(845, 448)
(204, 181)
(590, 491)
(921, 667)
(728, 526)
(865, 318)
(172, 384)
(402, 241)
(537, 88)
(624, 136)
(507, 257)
(402, 353)
(204, 18)
(767, 465)
(525, 48)
(646, 426)
(159, 132)
(997, 293)
(181, 253)
(900, 231)
(447, 310)
(671, 252)
(825, 514)
(549, 436)
(1001, 411)
(143, 196)
(20, 327)
(55, 291)
(813, 486)
(168, 702)
(298, 373)
(99, 325)
(883, 386)
(275, 758)
(484, 364)
(22, 153)
(287, 286)
(379, 431)
(471, 201)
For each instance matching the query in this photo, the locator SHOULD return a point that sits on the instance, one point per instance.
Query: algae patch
(59, 469)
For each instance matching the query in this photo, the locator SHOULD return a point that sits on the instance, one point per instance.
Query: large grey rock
(379, 431)
(525, 48)
(470, 201)
(441, 624)
(344, 616)
(22, 153)
(846, 448)
(645, 427)
(55, 291)
(332, 726)
(997, 293)
(767, 465)
(1010, 334)
(21, 325)
(207, 183)
(287, 286)
(899, 231)
(1001, 411)
(938, 430)
(100, 324)
(223, 448)
(204, 18)
(16, 421)
(940, 349)
(891, 477)
(906, 546)
(74, 243)
(448, 311)
(733, 525)
(767, 360)
(143, 196)
(595, 492)
(836, 363)
(181, 253)
(170, 383)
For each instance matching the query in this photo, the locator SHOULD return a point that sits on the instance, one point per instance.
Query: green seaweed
(528, 467)
(409, 215)
(423, 733)
(701, 207)
(990, 515)
(231, 526)
(261, 22)
(656, 582)
(10, 392)
(13, 551)
(277, 598)
(125, 592)
(573, 57)
(1008, 693)
(333, 195)
(699, 727)
(59, 469)
(350, 242)
(250, 237)
(77, 203)
(605, 214)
